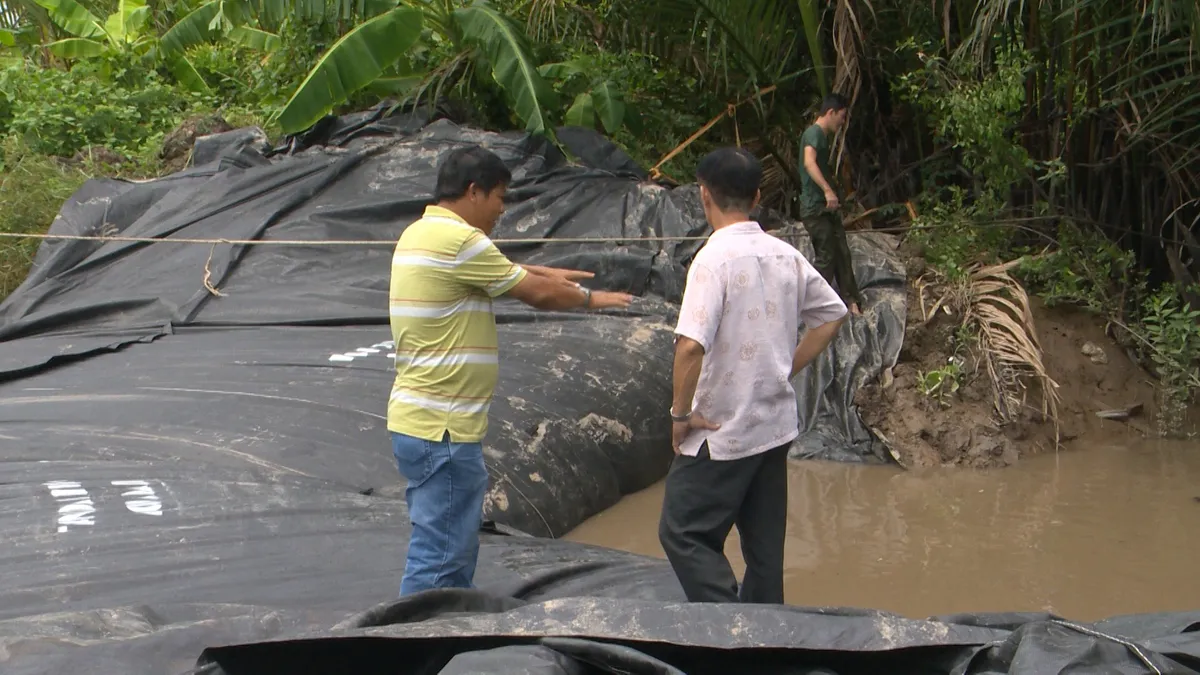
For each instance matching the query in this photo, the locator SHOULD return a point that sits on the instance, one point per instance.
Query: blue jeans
(446, 486)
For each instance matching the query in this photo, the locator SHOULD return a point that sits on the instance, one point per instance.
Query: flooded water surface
(1086, 533)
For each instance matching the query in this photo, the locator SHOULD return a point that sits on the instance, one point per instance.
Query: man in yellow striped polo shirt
(445, 273)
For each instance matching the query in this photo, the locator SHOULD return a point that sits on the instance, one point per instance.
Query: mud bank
(957, 423)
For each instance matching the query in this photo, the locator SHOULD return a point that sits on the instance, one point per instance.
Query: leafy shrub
(60, 112)
(664, 106)
(958, 232)
(976, 115)
(1172, 334)
(1087, 270)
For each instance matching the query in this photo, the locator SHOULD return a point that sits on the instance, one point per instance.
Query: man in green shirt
(819, 203)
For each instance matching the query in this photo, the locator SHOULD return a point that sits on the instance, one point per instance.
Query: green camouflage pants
(831, 254)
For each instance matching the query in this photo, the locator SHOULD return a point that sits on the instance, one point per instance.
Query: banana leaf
(610, 106)
(253, 38)
(125, 24)
(582, 112)
(73, 18)
(193, 29)
(506, 48)
(76, 48)
(353, 62)
(186, 74)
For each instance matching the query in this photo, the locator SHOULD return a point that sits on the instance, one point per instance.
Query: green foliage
(1085, 270)
(958, 232)
(473, 38)
(73, 18)
(812, 35)
(124, 37)
(32, 188)
(973, 107)
(1173, 337)
(57, 112)
(597, 101)
(942, 383)
(506, 49)
(195, 28)
(270, 81)
(353, 62)
(976, 115)
(964, 339)
(662, 104)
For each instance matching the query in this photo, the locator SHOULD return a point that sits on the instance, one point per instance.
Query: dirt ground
(1092, 372)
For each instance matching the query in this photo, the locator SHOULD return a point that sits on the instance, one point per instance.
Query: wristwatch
(587, 295)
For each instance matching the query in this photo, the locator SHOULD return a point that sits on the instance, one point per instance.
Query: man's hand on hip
(680, 430)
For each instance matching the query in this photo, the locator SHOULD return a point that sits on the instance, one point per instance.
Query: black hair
(732, 176)
(833, 102)
(466, 166)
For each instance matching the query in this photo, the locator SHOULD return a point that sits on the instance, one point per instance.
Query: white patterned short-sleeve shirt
(746, 296)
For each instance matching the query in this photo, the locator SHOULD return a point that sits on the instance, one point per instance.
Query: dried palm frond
(778, 189)
(447, 75)
(557, 20)
(999, 308)
(849, 44)
(953, 296)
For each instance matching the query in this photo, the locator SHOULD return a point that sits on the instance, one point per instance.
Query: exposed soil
(177, 145)
(100, 155)
(1092, 372)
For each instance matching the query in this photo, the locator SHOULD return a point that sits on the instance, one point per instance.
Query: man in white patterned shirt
(734, 412)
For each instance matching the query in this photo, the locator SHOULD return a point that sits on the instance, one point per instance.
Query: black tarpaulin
(184, 470)
(363, 178)
(612, 635)
(87, 535)
(569, 432)
(131, 567)
(117, 559)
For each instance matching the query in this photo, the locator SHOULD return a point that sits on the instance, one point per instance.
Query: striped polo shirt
(444, 276)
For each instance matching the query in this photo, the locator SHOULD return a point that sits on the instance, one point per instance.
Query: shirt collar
(439, 212)
(744, 227)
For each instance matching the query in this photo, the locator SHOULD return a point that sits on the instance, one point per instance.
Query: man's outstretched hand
(610, 300)
(570, 275)
(559, 273)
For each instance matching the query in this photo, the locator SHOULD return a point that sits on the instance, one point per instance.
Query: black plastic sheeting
(606, 635)
(183, 470)
(831, 427)
(117, 559)
(370, 178)
(569, 437)
(142, 566)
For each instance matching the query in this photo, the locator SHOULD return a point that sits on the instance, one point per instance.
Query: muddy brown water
(1084, 533)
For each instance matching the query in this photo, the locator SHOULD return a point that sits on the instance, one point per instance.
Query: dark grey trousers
(831, 254)
(704, 499)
